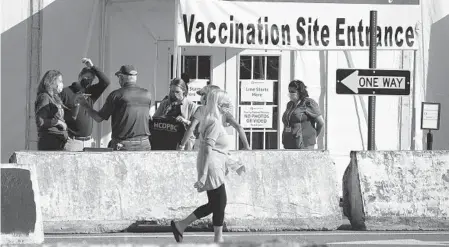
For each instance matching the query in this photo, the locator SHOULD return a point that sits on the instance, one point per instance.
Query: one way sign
(373, 82)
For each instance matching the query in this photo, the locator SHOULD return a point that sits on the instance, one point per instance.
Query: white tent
(142, 32)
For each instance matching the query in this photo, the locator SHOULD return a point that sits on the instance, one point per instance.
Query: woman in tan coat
(178, 106)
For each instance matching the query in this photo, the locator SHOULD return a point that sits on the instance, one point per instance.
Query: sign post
(372, 65)
(430, 120)
(373, 82)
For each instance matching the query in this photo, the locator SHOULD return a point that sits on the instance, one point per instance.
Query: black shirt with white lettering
(166, 133)
(129, 109)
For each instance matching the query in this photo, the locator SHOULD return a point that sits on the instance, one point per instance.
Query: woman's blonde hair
(48, 83)
(218, 103)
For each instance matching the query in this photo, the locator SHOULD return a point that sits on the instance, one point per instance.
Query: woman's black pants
(50, 142)
(216, 205)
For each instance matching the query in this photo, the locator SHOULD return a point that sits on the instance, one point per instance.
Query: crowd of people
(64, 118)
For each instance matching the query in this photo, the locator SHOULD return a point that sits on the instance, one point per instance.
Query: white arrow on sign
(355, 82)
(352, 81)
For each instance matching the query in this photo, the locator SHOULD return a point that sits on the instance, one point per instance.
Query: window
(258, 100)
(197, 67)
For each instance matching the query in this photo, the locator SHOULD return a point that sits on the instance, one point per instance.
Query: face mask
(293, 96)
(174, 97)
(86, 82)
(59, 89)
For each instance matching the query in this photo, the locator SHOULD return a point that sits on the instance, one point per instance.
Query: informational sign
(195, 86)
(293, 25)
(256, 91)
(256, 116)
(430, 116)
(373, 82)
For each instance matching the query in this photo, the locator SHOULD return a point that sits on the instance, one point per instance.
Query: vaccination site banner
(295, 25)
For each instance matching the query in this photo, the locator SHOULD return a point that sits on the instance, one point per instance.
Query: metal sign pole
(372, 65)
(429, 140)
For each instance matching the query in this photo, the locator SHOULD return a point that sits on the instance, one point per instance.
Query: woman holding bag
(211, 166)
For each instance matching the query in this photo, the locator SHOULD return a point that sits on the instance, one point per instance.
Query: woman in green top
(302, 120)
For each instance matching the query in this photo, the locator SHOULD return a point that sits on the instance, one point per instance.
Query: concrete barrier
(104, 192)
(21, 217)
(397, 190)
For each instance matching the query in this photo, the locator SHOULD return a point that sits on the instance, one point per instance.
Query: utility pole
(34, 61)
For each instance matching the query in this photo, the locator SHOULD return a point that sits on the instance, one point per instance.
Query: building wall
(14, 75)
(435, 55)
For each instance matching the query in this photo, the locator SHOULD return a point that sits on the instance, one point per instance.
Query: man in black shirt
(79, 123)
(129, 109)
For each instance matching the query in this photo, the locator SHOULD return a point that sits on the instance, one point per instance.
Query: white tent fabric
(133, 33)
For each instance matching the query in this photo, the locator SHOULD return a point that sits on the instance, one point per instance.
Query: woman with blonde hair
(211, 166)
(49, 113)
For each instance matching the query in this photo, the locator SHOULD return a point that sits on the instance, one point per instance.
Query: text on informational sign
(195, 86)
(272, 25)
(430, 116)
(257, 91)
(256, 117)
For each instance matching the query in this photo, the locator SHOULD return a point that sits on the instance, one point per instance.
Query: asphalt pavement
(324, 238)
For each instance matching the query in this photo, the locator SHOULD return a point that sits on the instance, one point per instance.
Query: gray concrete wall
(98, 192)
(20, 200)
(398, 190)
